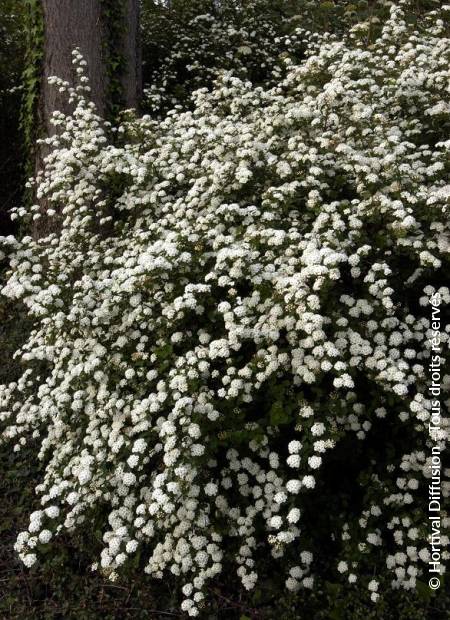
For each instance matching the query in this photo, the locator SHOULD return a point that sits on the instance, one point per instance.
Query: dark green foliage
(11, 144)
(112, 13)
(33, 24)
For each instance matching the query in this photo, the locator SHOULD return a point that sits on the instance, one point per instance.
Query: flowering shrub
(187, 43)
(226, 298)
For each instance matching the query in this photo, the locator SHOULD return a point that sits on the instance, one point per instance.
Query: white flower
(294, 447)
(276, 522)
(128, 479)
(29, 559)
(308, 582)
(306, 557)
(292, 584)
(293, 515)
(131, 546)
(318, 429)
(293, 461)
(293, 486)
(314, 462)
(211, 489)
(309, 482)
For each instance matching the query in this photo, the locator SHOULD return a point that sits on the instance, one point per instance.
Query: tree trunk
(83, 24)
(70, 24)
(86, 24)
(132, 74)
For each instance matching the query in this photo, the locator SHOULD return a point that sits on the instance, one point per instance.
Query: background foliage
(12, 50)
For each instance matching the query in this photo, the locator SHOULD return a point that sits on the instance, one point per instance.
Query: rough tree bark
(132, 75)
(84, 24)
(70, 24)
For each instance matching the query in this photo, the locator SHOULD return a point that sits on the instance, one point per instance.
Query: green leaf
(278, 414)
(424, 591)
(337, 613)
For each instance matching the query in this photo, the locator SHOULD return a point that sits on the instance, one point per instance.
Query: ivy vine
(31, 77)
(113, 17)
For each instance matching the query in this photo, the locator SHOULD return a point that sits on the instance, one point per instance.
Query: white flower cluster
(229, 295)
(188, 44)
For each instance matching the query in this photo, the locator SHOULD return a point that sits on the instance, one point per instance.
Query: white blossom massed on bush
(229, 294)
